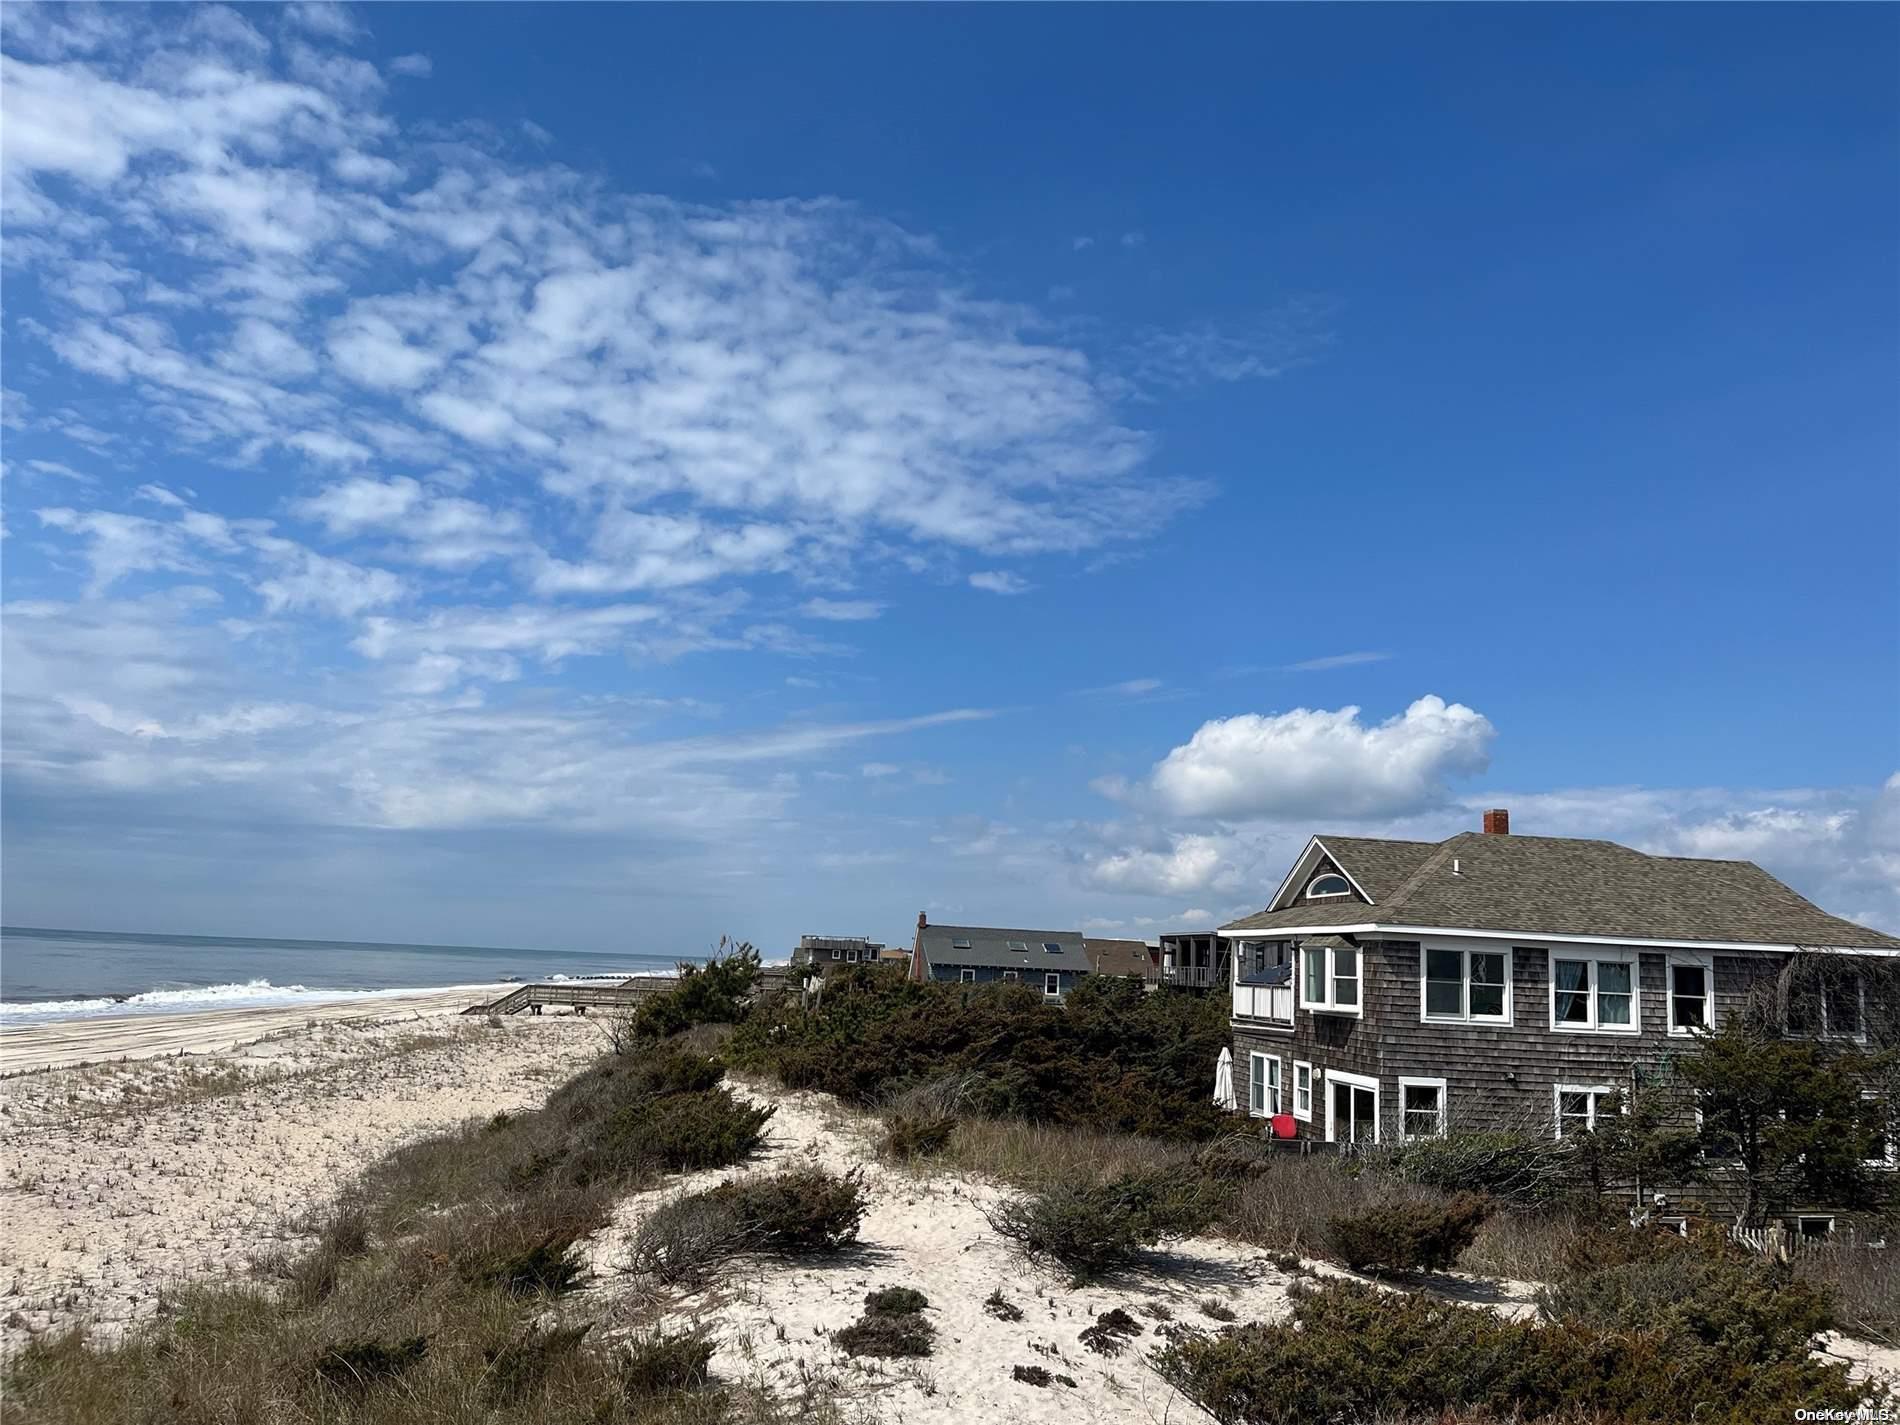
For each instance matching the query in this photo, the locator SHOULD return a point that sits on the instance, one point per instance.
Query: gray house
(1397, 988)
(1045, 960)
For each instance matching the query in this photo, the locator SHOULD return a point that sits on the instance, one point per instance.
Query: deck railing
(1192, 977)
(1273, 1003)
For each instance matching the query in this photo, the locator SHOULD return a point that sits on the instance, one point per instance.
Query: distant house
(1047, 960)
(827, 953)
(1194, 960)
(1134, 958)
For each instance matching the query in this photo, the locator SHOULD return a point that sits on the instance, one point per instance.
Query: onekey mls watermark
(1860, 1415)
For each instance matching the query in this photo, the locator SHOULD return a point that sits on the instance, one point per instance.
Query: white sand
(122, 1178)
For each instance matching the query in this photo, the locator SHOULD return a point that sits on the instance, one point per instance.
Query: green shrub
(1409, 1236)
(545, 1267)
(717, 992)
(888, 1335)
(917, 1135)
(681, 1132)
(894, 1301)
(1040, 1377)
(1094, 1227)
(665, 1362)
(1218, 1310)
(358, 1365)
(796, 1212)
(1355, 1353)
(1516, 1168)
(1615, 1244)
(1749, 1309)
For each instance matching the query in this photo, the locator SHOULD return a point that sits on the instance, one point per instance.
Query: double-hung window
(1303, 1090)
(1691, 993)
(1579, 1104)
(1330, 978)
(1831, 1008)
(1421, 1108)
(1052, 985)
(1467, 984)
(967, 976)
(1263, 1085)
(1593, 993)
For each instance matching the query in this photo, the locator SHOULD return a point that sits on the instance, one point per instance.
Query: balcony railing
(1192, 977)
(1273, 1003)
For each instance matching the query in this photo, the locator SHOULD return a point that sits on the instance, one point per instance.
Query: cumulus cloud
(1191, 862)
(1000, 581)
(841, 610)
(1314, 762)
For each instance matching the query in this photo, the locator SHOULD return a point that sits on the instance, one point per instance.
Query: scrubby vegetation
(430, 1293)
(1357, 1353)
(796, 1212)
(1094, 1228)
(1112, 1057)
(717, 992)
(893, 1325)
(1111, 1333)
(1408, 1237)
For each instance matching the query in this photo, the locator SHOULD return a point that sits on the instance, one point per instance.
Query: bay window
(1467, 984)
(1593, 993)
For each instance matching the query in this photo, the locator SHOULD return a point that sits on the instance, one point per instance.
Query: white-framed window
(1579, 1104)
(1833, 1010)
(1011, 975)
(851, 955)
(1691, 991)
(1677, 1225)
(1594, 992)
(1302, 1090)
(1465, 985)
(1052, 985)
(1263, 1074)
(1885, 1151)
(1352, 1108)
(1421, 1108)
(1328, 885)
(837, 954)
(1329, 979)
(967, 976)
(1815, 1227)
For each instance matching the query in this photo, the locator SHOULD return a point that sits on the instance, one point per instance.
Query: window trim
(851, 955)
(1891, 1158)
(836, 953)
(1357, 1081)
(1465, 1016)
(1258, 1080)
(1299, 1064)
(1052, 985)
(1802, 1218)
(966, 976)
(1607, 957)
(1444, 1104)
(1012, 975)
(1557, 1092)
(1340, 876)
(1697, 959)
(1330, 1005)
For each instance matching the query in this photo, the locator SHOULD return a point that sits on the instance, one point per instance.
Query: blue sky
(608, 476)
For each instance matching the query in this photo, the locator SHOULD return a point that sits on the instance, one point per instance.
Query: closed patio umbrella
(1224, 1080)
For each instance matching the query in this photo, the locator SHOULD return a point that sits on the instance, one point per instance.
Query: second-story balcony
(1265, 995)
(1193, 977)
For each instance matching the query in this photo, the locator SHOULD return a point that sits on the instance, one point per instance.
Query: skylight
(1052, 947)
(1021, 947)
(959, 945)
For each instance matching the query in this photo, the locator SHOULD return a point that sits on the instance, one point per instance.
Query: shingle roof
(1569, 886)
(1380, 866)
(1122, 957)
(991, 946)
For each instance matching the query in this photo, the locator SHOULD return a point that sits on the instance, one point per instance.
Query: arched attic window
(1330, 884)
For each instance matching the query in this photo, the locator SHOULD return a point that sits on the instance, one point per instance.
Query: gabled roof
(1555, 885)
(993, 946)
(1121, 957)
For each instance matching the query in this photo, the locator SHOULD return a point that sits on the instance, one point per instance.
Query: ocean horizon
(49, 974)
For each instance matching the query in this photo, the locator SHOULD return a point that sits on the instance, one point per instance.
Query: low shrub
(522, 1364)
(1863, 1283)
(1597, 1245)
(665, 1362)
(1521, 1169)
(796, 1212)
(1040, 1377)
(1112, 1331)
(1352, 1352)
(917, 1135)
(358, 1365)
(888, 1335)
(1092, 1228)
(546, 1267)
(1749, 1309)
(1001, 1307)
(717, 992)
(683, 1241)
(895, 1301)
(1409, 1236)
(682, 1132)
(1218, 1310)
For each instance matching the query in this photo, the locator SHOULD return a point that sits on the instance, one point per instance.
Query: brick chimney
(921, 922)
(1497, 822)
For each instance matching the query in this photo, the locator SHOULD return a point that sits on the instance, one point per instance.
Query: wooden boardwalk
(583, 995)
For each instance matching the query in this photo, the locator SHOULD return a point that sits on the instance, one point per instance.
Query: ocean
(48, 975)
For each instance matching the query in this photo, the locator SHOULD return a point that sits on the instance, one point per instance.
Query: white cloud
(841, 610)
(413, 66)
(1000, 581)
(1192, 862)
(1311, 763)
(326, 18)
(880, 769)
(1335, 660)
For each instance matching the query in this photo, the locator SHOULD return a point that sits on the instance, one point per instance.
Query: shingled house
(1398, 988)
(1048, 960)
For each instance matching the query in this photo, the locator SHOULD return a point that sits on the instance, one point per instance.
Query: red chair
(1281, 1125)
